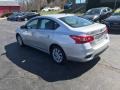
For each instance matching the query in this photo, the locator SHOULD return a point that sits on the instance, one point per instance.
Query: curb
(3, 18)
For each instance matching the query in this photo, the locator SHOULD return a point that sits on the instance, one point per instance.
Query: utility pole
(115, 4)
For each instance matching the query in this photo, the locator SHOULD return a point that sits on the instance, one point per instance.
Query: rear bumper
(88, 54)
(95, 53)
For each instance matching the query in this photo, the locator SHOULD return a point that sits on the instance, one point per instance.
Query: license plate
(98, 36)
(101, 38)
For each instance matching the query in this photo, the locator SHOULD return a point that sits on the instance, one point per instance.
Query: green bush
(67, 11)
(6, 14)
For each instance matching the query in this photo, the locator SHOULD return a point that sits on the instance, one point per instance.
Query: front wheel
(19, 40)
(58, 55)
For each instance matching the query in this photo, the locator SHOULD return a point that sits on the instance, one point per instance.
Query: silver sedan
(64, 37)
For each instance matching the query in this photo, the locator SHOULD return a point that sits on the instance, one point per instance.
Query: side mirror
(23, 27)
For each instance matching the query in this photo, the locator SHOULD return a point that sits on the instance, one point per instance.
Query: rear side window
(108, 9)
(48, 24)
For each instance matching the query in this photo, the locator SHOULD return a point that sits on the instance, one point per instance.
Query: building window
(80, 1)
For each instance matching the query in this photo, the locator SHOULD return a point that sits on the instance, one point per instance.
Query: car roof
(58, 15)
(100, 8)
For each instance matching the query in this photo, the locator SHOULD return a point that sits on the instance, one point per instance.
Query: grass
(69, 11)
(49, 12)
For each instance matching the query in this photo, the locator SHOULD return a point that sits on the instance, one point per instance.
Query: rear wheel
(25, 19)
(19, 40)
(58, 55)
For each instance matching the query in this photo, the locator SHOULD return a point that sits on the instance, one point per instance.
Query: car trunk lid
(98, 31)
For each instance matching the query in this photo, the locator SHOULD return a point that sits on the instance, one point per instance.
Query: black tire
(19, 40)
(26, 19)
(58, 57)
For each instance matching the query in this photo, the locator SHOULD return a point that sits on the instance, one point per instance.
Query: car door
(46, 28)
(28, 33)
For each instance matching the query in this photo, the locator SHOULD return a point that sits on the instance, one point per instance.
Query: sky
(7, 0)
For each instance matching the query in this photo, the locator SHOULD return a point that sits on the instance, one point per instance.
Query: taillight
(82, 39)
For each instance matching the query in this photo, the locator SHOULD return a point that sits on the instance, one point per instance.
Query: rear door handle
(48, 36)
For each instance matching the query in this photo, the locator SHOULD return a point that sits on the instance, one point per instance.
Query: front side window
(33, 24)
(48, 24)
(75, 21)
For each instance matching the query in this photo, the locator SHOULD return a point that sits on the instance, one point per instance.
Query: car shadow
(41, 65)
(15, 21)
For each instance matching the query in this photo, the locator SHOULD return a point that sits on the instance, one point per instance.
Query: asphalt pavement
(29, 69)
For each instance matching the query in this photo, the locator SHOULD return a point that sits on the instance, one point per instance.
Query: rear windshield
(75, 21)
(93, 12)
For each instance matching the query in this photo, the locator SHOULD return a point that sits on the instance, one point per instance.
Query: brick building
(8, 7)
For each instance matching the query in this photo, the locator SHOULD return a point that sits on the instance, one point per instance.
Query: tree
(38, 4)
